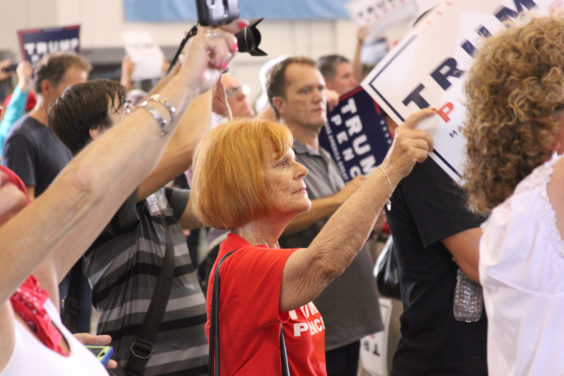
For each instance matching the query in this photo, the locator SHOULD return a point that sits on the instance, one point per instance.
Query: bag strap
(142, 347)
(214, 355)
(283, 354)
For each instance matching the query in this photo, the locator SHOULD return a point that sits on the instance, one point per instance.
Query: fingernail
(225, 65)
(242, 24)
(433, 109)
(235, 46)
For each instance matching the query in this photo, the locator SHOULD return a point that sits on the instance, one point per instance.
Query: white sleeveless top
(522, 274)
(30, 357)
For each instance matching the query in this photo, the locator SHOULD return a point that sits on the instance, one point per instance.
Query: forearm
(93, 183)
(348, 229)
(86, 194)
(177, 157)
(308, 271)
(465, 249)
(320, 208)
(357, 62)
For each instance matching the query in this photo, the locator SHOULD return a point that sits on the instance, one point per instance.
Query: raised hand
(410, 146)
(208, 54)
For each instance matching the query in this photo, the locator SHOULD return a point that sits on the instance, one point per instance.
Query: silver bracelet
(163, 123)
(165, 102)
(388, 202)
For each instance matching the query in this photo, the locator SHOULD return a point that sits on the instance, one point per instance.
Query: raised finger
(416, 117)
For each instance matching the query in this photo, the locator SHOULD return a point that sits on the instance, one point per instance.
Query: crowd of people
(85, 184)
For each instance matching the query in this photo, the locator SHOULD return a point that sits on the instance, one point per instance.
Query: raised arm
(58, 226)
(309, 270)
(177, 157)
(361, 34)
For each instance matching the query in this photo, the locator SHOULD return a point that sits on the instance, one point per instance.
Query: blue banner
(356, 134)
(185, 10)
(35, 43)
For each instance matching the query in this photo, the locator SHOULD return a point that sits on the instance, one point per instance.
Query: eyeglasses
(127, 108)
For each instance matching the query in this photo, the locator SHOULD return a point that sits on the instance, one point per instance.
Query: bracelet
(388, 202)
(163, 123)
(157, 98)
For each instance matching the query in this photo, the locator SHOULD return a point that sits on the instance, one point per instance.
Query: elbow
(471, 271)
(328, 269)
(79, 187)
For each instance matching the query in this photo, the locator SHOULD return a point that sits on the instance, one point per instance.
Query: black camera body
(217, 12)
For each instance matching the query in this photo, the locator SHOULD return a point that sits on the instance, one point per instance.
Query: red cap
(29, 104)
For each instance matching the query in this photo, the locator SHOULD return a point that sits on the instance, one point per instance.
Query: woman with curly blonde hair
(515, 133)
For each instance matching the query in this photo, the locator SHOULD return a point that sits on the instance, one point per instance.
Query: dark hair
(328, 65)
(53, 67)
(276, 78)
(83, 107)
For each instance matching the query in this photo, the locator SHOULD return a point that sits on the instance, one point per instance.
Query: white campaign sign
(427, 69)
(378, 15)
(144, 52)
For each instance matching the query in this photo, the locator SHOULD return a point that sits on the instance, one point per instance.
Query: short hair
(83, 107)
(276, 80)
(52, 67)
(513, 90)
(228, 187)
(328, 65)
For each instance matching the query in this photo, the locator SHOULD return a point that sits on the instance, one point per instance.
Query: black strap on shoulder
(142, 347)
(283, 355)
(214, 355)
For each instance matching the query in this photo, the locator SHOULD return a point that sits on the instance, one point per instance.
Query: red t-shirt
(249, 315)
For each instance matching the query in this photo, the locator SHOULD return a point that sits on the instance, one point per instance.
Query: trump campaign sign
(35, 43)
(427, 69)
(356, 134)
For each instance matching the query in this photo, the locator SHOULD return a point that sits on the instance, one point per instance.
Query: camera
(217, 12)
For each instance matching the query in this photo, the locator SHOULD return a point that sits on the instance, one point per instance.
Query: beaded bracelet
(157, 98)
(163, 123)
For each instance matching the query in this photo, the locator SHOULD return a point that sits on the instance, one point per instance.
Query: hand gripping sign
(356, 134)
(427, 69)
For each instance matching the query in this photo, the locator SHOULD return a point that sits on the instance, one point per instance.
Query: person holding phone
(48, 236)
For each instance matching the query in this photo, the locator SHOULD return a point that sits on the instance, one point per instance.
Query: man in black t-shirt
(31, 149)
(431, 227)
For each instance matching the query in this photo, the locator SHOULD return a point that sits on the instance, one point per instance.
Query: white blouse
(31, 357)
(522, 274)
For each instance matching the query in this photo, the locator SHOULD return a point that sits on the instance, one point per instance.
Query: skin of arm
(30, 192)
(79, 198)
(309, 270)
(464, 247)
(177, 157)
(556, 194)
(49, 235)
(127, 68)
(357, 63)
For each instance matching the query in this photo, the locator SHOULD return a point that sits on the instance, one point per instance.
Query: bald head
(238, 100)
